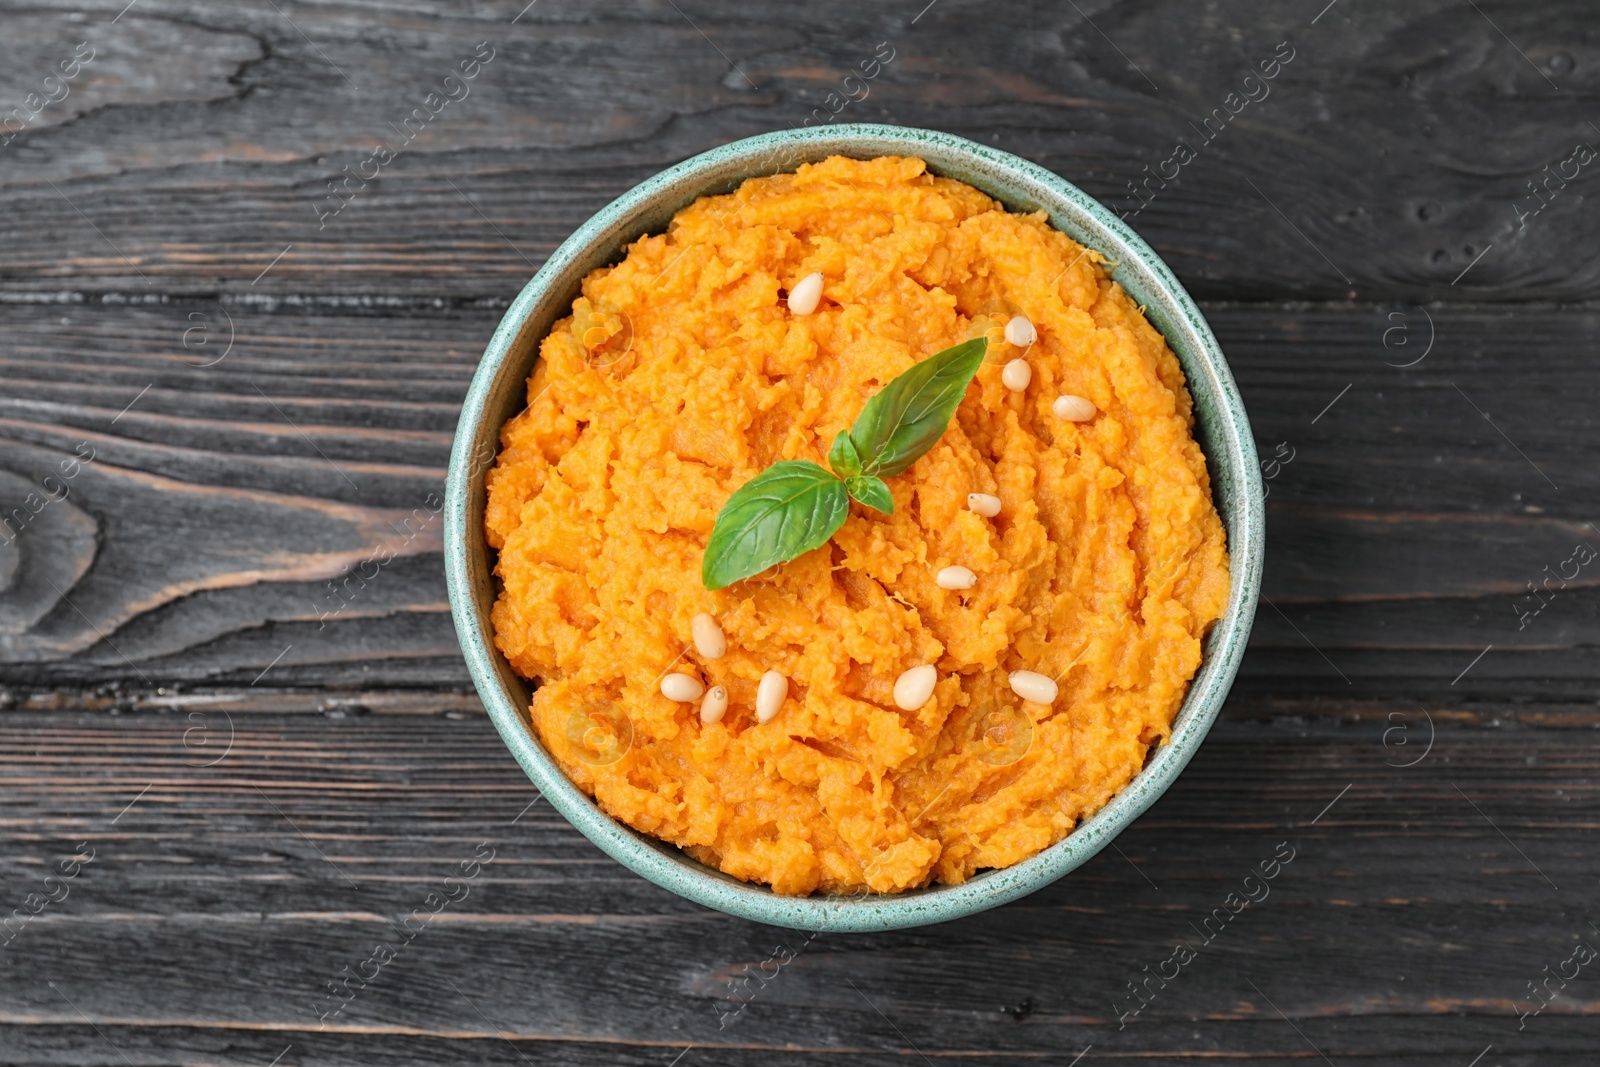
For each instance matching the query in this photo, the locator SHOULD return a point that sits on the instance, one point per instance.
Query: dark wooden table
(216, 396)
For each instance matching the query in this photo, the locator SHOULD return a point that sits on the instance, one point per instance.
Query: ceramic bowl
(498, 392)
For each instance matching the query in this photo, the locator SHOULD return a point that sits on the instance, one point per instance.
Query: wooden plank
(223, 898)
(1364, 167)
(270, 785)
(199, 545)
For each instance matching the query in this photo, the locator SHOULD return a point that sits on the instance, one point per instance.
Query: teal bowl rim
(1222, 429)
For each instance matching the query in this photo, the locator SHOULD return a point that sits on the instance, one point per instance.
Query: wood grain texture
(1384, 158)
(1404, 529)
(1404, 929)
(195, 623)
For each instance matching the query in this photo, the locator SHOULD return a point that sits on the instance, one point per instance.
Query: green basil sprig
(796, 505)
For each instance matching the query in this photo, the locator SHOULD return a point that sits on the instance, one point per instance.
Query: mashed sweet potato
(681, 374)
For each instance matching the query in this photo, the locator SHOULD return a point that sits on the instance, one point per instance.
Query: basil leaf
(786, 510)
(842, 457)
(795, 506)
(871, 491)
(907, 417)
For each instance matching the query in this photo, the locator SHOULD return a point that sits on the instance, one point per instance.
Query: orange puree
(681, 374)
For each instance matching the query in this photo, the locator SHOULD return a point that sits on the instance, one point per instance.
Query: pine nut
(1020, 332)
(709, 640)
(715, 705)
(984, 504)
(956, 578)
(1034, 687)
(1073, 408)
(1016, 375)
(914, 687)
(770, 695)
(806, 294)
(681, 687)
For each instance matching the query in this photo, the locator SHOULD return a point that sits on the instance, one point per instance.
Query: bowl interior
(498, 392)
